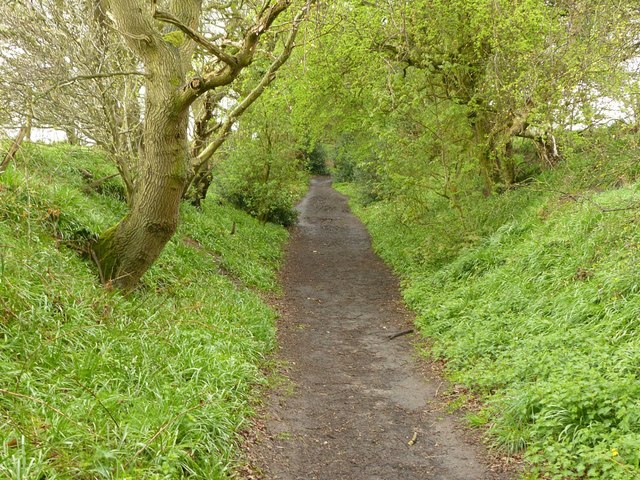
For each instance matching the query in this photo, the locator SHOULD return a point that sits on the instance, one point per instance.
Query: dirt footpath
(358, 407)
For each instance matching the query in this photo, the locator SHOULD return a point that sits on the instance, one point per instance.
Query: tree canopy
(416, 98)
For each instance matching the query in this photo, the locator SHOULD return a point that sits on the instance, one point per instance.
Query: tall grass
(535, 305)
(153, 385)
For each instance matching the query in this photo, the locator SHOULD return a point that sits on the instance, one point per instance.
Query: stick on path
(359, 407)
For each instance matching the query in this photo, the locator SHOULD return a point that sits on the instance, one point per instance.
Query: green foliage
(264, 185)
(356, 162)
(529, 295)
(153, 385)
(316, 160)
(532, 300)
(345, 163)
(450, 85)
(263, 171)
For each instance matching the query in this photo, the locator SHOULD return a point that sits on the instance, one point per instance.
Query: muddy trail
(358, 405)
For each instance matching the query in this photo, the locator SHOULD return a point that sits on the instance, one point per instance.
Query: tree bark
(546, 146)
(200, 186)
(72, 136)
(126, 251)
(489, 160)
(547, 150)
(196, 190)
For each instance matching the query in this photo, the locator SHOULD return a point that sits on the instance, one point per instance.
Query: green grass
(153, 385)
(533, 301)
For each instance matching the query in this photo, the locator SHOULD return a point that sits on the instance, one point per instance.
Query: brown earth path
(360, 406)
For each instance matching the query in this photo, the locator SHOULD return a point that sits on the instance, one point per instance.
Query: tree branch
(15, 145)
(196, 37)
(242, 106)
(91, 76)
(242, 59)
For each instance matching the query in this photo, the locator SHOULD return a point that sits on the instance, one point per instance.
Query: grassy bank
(532, 300)
(153, 385)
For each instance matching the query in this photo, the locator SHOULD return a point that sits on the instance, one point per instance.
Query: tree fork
(127, 250)
(202, 176)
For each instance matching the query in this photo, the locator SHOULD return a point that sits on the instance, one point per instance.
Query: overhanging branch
(92, 76)
(230, 71)
(196, 37)
(225, 127)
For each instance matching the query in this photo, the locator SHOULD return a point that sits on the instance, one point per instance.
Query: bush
(267, 186)
(345, 161)
(316, 160)
(532, 300)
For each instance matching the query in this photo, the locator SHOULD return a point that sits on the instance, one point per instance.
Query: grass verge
(532, 301)
(153, 385)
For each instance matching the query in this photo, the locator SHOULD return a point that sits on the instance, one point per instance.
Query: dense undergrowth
(532, 300)
(93, 384)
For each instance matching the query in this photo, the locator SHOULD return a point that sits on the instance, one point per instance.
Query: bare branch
(196, 37)
(79, 78)
(15, 146)
(225, 127)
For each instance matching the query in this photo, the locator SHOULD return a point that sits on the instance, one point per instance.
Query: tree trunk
(546, 146)
(508, 164)
(496, 161)
(127, 250)
(547, 150)
(72, 136)
(490, 169)
(196, 190)
(23, 134)
(201, 184)
(489, 162)
(202, 166)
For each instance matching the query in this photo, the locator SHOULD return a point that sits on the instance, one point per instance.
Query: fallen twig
(400, 334)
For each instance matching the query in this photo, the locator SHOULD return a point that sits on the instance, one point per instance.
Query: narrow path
(358, 398)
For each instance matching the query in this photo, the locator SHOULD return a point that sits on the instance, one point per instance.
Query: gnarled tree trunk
(126, 251)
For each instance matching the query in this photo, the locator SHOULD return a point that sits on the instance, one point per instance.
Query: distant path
(358, 398)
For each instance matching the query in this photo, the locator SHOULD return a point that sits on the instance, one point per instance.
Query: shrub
(267, 186)
(316, 160)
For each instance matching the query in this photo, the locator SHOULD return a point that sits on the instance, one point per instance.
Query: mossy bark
(127, 250)
(200, 187)
(496, 160)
